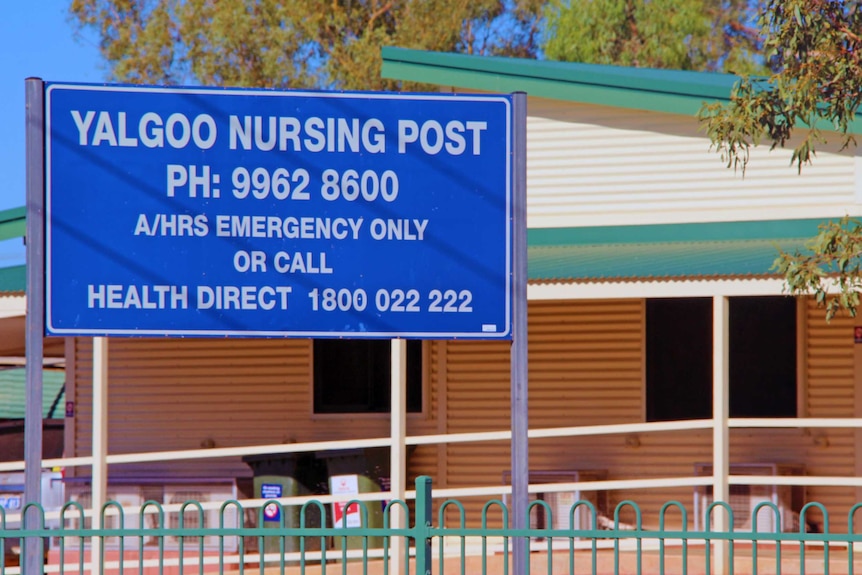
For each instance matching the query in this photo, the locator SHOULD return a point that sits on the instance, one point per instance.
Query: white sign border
(504, 334)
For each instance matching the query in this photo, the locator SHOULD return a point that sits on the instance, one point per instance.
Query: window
(353, 376)
(679, 358)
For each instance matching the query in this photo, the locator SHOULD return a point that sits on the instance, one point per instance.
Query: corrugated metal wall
(829, 393)
(176, 394)
(631, 167)
(586, 367)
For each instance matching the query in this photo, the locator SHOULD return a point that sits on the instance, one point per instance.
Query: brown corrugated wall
(177, 394)
(586, 367)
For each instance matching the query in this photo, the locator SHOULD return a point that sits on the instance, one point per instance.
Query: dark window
(762, 357)
(679, 357)
(353, 376)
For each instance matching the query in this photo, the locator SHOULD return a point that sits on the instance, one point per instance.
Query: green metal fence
(278, 540)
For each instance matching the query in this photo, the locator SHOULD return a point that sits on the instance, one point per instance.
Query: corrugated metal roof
(669, 91)
(656, 261)
(622, 253)
(668, 251)
(12, 223)
(13, 388)
(13, 279)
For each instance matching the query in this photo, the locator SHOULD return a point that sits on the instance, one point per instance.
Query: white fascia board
(13, 306)
(655, 289)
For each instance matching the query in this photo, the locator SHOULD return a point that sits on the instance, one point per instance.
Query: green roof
(668, 251)
(650, 89)
(658, 261)
(13, 279)
(663, 251)
(670, 91)
(13, 388)
(12, 223)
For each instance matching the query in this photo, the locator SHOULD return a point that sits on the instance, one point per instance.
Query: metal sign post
(519, 403)
(32, 551)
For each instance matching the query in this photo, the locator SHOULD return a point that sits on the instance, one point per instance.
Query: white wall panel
(597, 166)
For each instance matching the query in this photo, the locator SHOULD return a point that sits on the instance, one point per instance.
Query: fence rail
(302, 539)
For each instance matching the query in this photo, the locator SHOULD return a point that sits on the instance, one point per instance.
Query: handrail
(540, 433)
(503, 435)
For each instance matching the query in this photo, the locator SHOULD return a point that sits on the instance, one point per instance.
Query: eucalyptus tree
(333, 44)
(815, 50)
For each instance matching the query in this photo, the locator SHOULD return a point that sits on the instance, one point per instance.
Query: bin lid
(272, 463)
(353, 452)
(270, 457)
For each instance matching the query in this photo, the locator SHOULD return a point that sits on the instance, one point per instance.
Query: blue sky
(36, 39)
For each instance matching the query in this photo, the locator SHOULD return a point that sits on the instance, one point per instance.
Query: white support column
(99, 486)
(720, 428)
(857, 404)
(398, 454)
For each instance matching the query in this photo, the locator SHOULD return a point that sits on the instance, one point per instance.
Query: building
(641, 242)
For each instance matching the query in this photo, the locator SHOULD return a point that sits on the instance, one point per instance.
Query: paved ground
(561, 562)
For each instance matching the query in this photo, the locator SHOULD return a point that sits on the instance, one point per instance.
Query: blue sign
(204, 212)
(271, 511)
(11, 502)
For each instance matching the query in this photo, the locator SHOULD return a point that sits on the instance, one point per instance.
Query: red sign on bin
(345, 515)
